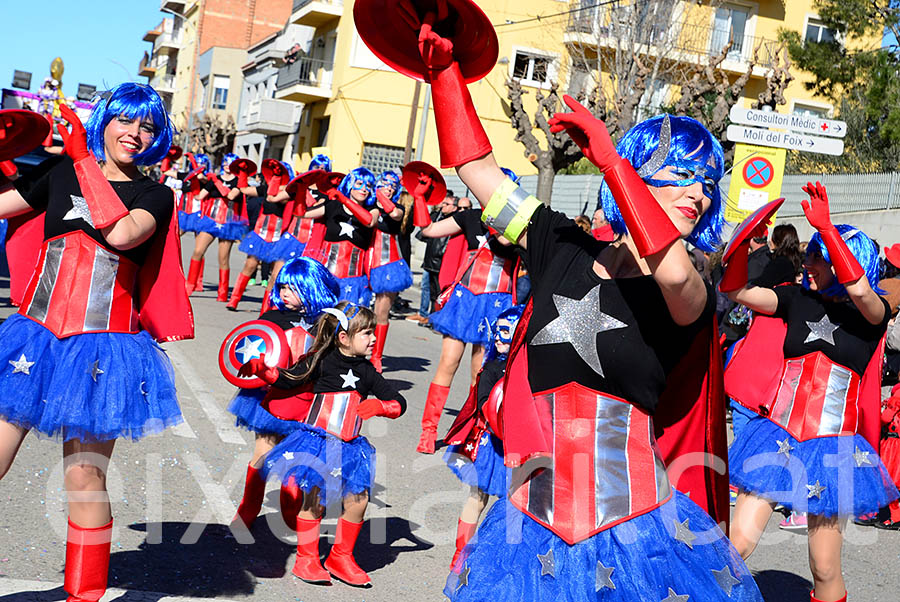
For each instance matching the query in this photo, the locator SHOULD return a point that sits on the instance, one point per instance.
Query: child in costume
(810, 367)
(303, 289)
(80, 359)
(326, 457)
(890, 454)
(475, 453)
(190, 209)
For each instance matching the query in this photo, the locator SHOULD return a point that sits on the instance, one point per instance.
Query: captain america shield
(249, 341)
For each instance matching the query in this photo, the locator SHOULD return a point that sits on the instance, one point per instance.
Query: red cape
(454, 256)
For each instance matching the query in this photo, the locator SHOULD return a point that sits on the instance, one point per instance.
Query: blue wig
(320, 161)
(204, 162)
(360, 173)
(288, 169)
(134, 101)
(705, 165)
(862, 247)
(311, 281)
(510, 174)
(390, 177)
(513, 314)
(226, 161)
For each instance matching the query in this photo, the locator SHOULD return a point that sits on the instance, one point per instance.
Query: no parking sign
(757, 178)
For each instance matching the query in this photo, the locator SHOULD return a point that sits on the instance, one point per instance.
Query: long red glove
(647, 222)
(357, 210)
(104, 205)
(383, 200)
(846, 267)
(8, 168)
(421, 216)
(369, 408)
(242, 179)
(461, 137)
(191, 160)
(257, 367)
(222, 188)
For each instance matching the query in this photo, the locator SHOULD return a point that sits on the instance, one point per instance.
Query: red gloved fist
(75, 141)
(588, 132)
(369, 408)
(257, 367)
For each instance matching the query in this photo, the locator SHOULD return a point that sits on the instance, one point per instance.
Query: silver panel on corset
(385, 245)
(355, 256)
(610, 472)
(540, 487)
(338, 411)
(787, 391)
(832, 420)
(333, 251)
(40, 304)
(314, 409)
(100, 295)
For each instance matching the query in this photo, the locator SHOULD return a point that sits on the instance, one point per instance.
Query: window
(533, 68)
(204, 92)
(379, 157)
(810, 110)
(817, 32)
(730, 25)
(322, 135)
(220, 91)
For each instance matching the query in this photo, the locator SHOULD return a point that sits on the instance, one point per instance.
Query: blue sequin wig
(704, 165)
(359, 174)
(387, 178)
(311, 281)
(863, 248)
(288, 169)
(133, 101)
(226, 161)
(320, 161)
(204, 162)
(513, 315)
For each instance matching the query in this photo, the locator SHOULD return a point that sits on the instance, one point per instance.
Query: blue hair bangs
(288, 169)
(390, 177)
(226, 161)
(133, 101)
(864, 250)
(311, 281)
(320, 161)
(688, 137)
(203, 160)
(364, 175)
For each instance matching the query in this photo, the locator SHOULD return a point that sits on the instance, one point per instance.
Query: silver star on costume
(815, 490)
(481, 238)
(79, 210)
(823, 330)
(249, 349)
(602, 579)
(485, 439)
(348, 288)
(288, 455)
(95, 370)
(459, 463)
(347, 229)
(683, 533)
(458, 293)
(336, 472)
(673, 597)
(463, 578)
(578, 323)
(861, 457)
(469, 446)
(349, 379)
(497, 303)
(784, 447)
(725, 579)
(548, 565)
(21, 365)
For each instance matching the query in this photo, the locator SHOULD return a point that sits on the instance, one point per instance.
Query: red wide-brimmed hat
(414, 170)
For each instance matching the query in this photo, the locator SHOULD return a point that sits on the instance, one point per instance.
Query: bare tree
(210, 135)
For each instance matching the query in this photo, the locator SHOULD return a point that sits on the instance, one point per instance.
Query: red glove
(357, 210)
(274, 183)
(8, 168)
(383, 200)
(242, 179)
(369, 408)
(846, 267)
(222, 188)
(191, 160)
(257, 367)
(421, 216)
(647, 222)
(76, 141)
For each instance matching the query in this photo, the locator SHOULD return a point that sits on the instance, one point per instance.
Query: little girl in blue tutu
(326, 457)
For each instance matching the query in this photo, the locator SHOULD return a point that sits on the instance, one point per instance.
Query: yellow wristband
(510, 210)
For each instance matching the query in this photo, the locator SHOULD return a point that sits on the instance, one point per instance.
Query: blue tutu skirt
(487, 472)
(92, 387)
(829, 476)
(187, 222)
(253, 417)
(227, 231)
(637, 560)
(467, 317)
(3, 227)
(254, 246)
(288, 247)
(392, 277)
(356, 290)
(314, 458)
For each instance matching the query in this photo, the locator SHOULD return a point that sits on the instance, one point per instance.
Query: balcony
(272, 117)
(169, 40)
(306, 80)
(164, 83)
(154, 33)
(172, 6)
(146, 68)
(315, 13)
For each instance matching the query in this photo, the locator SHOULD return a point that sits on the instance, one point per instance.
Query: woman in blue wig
(79, 359)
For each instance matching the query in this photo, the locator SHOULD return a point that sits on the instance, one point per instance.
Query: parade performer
(481, 291)
(225, 219)
(388, 272)
(79, 361)
(190, 208)
(261, 245)
(614, 336)
(326, 457)
(475, 453)
(812, 371)
(890, 454)
(349, 217)
(303, 288)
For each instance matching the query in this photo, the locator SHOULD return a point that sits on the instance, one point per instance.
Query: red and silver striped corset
(606, 467)
(301, 228)
(269, 227)
(343, 259)
(79, 286)
(189, 202)
(336, 413)
(384, 249)
(485, 272)
(815, 398)
(299, 341)
(222, 210)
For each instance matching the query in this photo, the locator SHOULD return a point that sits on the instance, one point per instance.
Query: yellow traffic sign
(755, 180)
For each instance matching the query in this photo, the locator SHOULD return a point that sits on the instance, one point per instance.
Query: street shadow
(384, 550)
(400, 385)
(50, 595)
(782, 586)
(410, 364)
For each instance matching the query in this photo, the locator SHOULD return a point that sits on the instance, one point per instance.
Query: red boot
(87, 562)
(290, 499)
(240, 286)
(340, 561)
(198, 286)
(251, 503)
(434, 407)
(380, 339)
(224, 276)
(190, 283)
(307, 565)
(464, 532)
(266, 303)
(812, 598)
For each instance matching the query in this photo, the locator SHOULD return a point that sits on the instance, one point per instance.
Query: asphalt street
(174, 494)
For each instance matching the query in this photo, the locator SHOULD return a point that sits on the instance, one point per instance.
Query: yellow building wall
(184, 73)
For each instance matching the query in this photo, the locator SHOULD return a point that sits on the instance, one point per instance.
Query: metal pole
(424, 122)
(411, 130)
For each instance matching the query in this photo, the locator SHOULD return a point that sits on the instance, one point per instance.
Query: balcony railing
(271, 116)
(307, 72)
(298, 4)
(170, 39)
(172, 6)
(164, 83)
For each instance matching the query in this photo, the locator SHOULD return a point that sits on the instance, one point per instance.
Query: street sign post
(755, 181)
(791, 140)
(797, 123)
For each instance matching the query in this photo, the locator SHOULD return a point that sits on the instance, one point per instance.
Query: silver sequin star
(21, 365)
(463, 578)
(861, 457)
(823, 330)
(784, 447)
(95, 370)
(469, 446)
(349, 379)
(815, 490)
(601, 578)
(347, 229)
(459, 463)
(578, 323)
(548, 565)
(79, 210)
(458, 293)
(673, 597)
(485, 439)
(725, 579)
(336, 472)
(683, 533)
(288, 455)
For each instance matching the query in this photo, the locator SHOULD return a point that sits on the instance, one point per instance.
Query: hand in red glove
(817, 211)
(436, 52)
(191, 160)
(588, 132)
(846, 266)
(242, 179)
(386, 203)
(369, 408)
(257, 367)
(75, 141)
(421, 217)
(222, 188)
